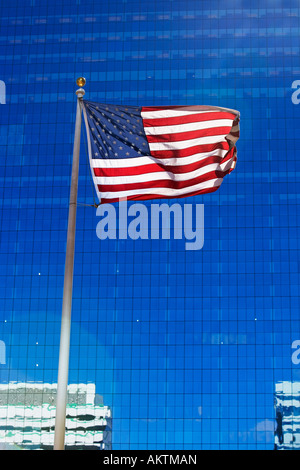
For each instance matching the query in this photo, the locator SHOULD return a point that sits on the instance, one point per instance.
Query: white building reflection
(287, 408)
(27, 417)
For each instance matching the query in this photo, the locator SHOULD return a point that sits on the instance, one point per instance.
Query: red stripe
(162, 183)
(156, 167)
(180, 136)
(193, 117)
(143, 197)
(189, 151)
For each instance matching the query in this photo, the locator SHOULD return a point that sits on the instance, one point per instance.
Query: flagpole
(63, 366)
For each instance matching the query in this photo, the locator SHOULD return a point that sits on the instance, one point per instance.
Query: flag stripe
(162, 191)
(161, 175)
(192, 126)
(163, 113)
(186, 152)
(172, 185)
(182, 136)
(174, 164)
(151, 160)
(156, 167)
(187, 119)
(186, 143)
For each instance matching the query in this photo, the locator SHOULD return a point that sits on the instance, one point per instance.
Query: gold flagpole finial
(81, 81)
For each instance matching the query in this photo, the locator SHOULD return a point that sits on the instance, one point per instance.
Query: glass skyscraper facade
(185, 347)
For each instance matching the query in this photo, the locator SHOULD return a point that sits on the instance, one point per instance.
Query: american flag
(159, 152)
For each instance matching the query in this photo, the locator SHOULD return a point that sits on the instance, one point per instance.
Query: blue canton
(116, 131)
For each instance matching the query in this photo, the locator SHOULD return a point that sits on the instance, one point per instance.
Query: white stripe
(187, 110)
(192, 126)
(160, 175)
(163, 191)
(141, 161)
(212, 139)
(228, 164)
(122, 162)
(198, 157)
(166, 113)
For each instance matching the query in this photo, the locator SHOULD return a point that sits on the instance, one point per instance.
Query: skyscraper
(185, 347)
